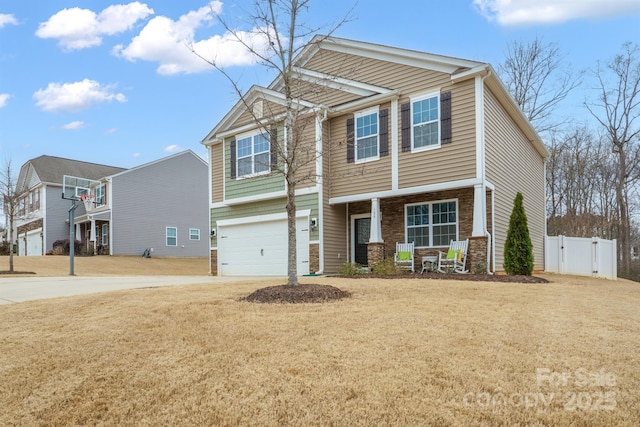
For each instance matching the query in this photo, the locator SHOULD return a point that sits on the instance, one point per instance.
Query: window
(425, 122)
(432, 224)
(194, 234)
(105, 234)
(172, 236)
(253, 155)
(366, 143)
(101, 194)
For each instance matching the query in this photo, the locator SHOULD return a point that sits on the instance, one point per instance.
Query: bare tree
(617, 109)
(10, 203)
(537, 80)
(279, 33)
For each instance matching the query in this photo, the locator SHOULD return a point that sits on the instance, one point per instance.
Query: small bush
(480, 267)
(4, 248)
(62, 247)
(352, 269)
(387, 267)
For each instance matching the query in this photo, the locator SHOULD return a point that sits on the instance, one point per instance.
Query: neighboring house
(160, 205)
(412, 147)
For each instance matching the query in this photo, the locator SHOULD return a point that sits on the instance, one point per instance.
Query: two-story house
(409, 147)
(161, 205)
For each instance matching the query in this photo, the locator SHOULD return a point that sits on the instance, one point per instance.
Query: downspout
(319, 173)
(491, 253)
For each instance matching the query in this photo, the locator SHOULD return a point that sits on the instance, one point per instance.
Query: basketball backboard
(73, 187)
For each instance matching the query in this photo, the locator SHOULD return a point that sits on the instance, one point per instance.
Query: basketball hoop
(88, 199)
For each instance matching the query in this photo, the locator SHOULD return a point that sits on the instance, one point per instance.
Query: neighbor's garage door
(260, 249)
(33, 244)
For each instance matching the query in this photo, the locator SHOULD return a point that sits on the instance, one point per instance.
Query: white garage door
(260, 248)
(34, 244)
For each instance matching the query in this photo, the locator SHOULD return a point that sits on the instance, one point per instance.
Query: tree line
(594, 166)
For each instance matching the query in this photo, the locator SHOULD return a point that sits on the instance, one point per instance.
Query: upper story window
(432, 224)
(253, 155)
(425, 122)
(101, 195)
(366, 135)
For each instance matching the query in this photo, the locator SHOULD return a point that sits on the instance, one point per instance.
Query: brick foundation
(477, 254)
(214, 263)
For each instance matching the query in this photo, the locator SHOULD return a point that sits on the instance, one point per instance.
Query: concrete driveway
(18, 289)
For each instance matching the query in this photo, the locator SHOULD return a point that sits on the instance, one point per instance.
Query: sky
(116, 83)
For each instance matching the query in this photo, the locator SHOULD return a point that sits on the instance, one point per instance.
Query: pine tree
(518, 250)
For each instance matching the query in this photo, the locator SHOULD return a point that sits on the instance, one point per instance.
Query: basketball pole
(72, 236)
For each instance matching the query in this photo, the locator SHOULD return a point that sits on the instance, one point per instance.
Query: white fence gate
(581, 256)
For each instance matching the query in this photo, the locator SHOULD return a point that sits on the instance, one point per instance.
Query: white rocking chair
(404, 255)
(455, 259)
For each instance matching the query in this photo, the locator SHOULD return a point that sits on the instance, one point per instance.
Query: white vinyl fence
(581, 256)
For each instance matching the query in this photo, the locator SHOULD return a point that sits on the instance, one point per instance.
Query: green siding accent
(244, 187)
(266, 207)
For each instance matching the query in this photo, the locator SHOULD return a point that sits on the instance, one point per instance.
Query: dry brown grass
(399, 352)
(107, 266)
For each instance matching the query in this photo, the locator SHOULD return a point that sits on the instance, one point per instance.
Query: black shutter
(445, 117)
(232, 148)
(351, 139)
(405, 119)
(384, 132)
(273, 146)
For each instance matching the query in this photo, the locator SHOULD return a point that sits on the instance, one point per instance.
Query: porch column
(93, 231)
(375, 235)
(479, 211)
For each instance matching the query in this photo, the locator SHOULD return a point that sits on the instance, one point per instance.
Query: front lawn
(397, 352)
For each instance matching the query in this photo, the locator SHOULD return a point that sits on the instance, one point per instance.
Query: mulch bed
(287, 294)
(313, 293)
(503, 278)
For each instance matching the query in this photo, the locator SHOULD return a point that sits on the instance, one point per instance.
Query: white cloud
(168, 42)
(77, 28)
(136, 155)
(532, 12)
(4, 99)
(110, 131)
(173, 148)
(75, 96)
(6, 19)
(75, 125)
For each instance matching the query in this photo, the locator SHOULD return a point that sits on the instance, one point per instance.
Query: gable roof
(458, 69)
(50, 169)
(164, 159)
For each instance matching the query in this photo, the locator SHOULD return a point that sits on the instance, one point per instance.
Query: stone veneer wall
(214, 262)
(392, 212)
(33, 225)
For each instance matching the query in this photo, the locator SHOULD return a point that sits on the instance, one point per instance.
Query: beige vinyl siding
(453, 161)
(307, 153)
(320, 93)
(354, 178)
(333, 220)
(217, 173)
(265, 207)
(245, 187)
(380, 73)
(512, 165)
(269, 109)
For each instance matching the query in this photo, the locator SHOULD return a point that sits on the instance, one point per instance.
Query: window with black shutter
(351, 139)
(445, 117)
(232, 149)
(384, 132)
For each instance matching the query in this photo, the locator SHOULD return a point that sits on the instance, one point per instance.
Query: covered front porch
(93, 231)
(430, 220)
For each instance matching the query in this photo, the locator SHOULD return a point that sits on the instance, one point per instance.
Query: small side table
(429, 263)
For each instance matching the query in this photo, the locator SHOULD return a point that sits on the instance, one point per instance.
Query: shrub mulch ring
(283, 294)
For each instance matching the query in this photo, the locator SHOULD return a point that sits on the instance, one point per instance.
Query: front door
(361, 230)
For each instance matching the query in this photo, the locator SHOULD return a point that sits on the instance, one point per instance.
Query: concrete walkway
(18, 289)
